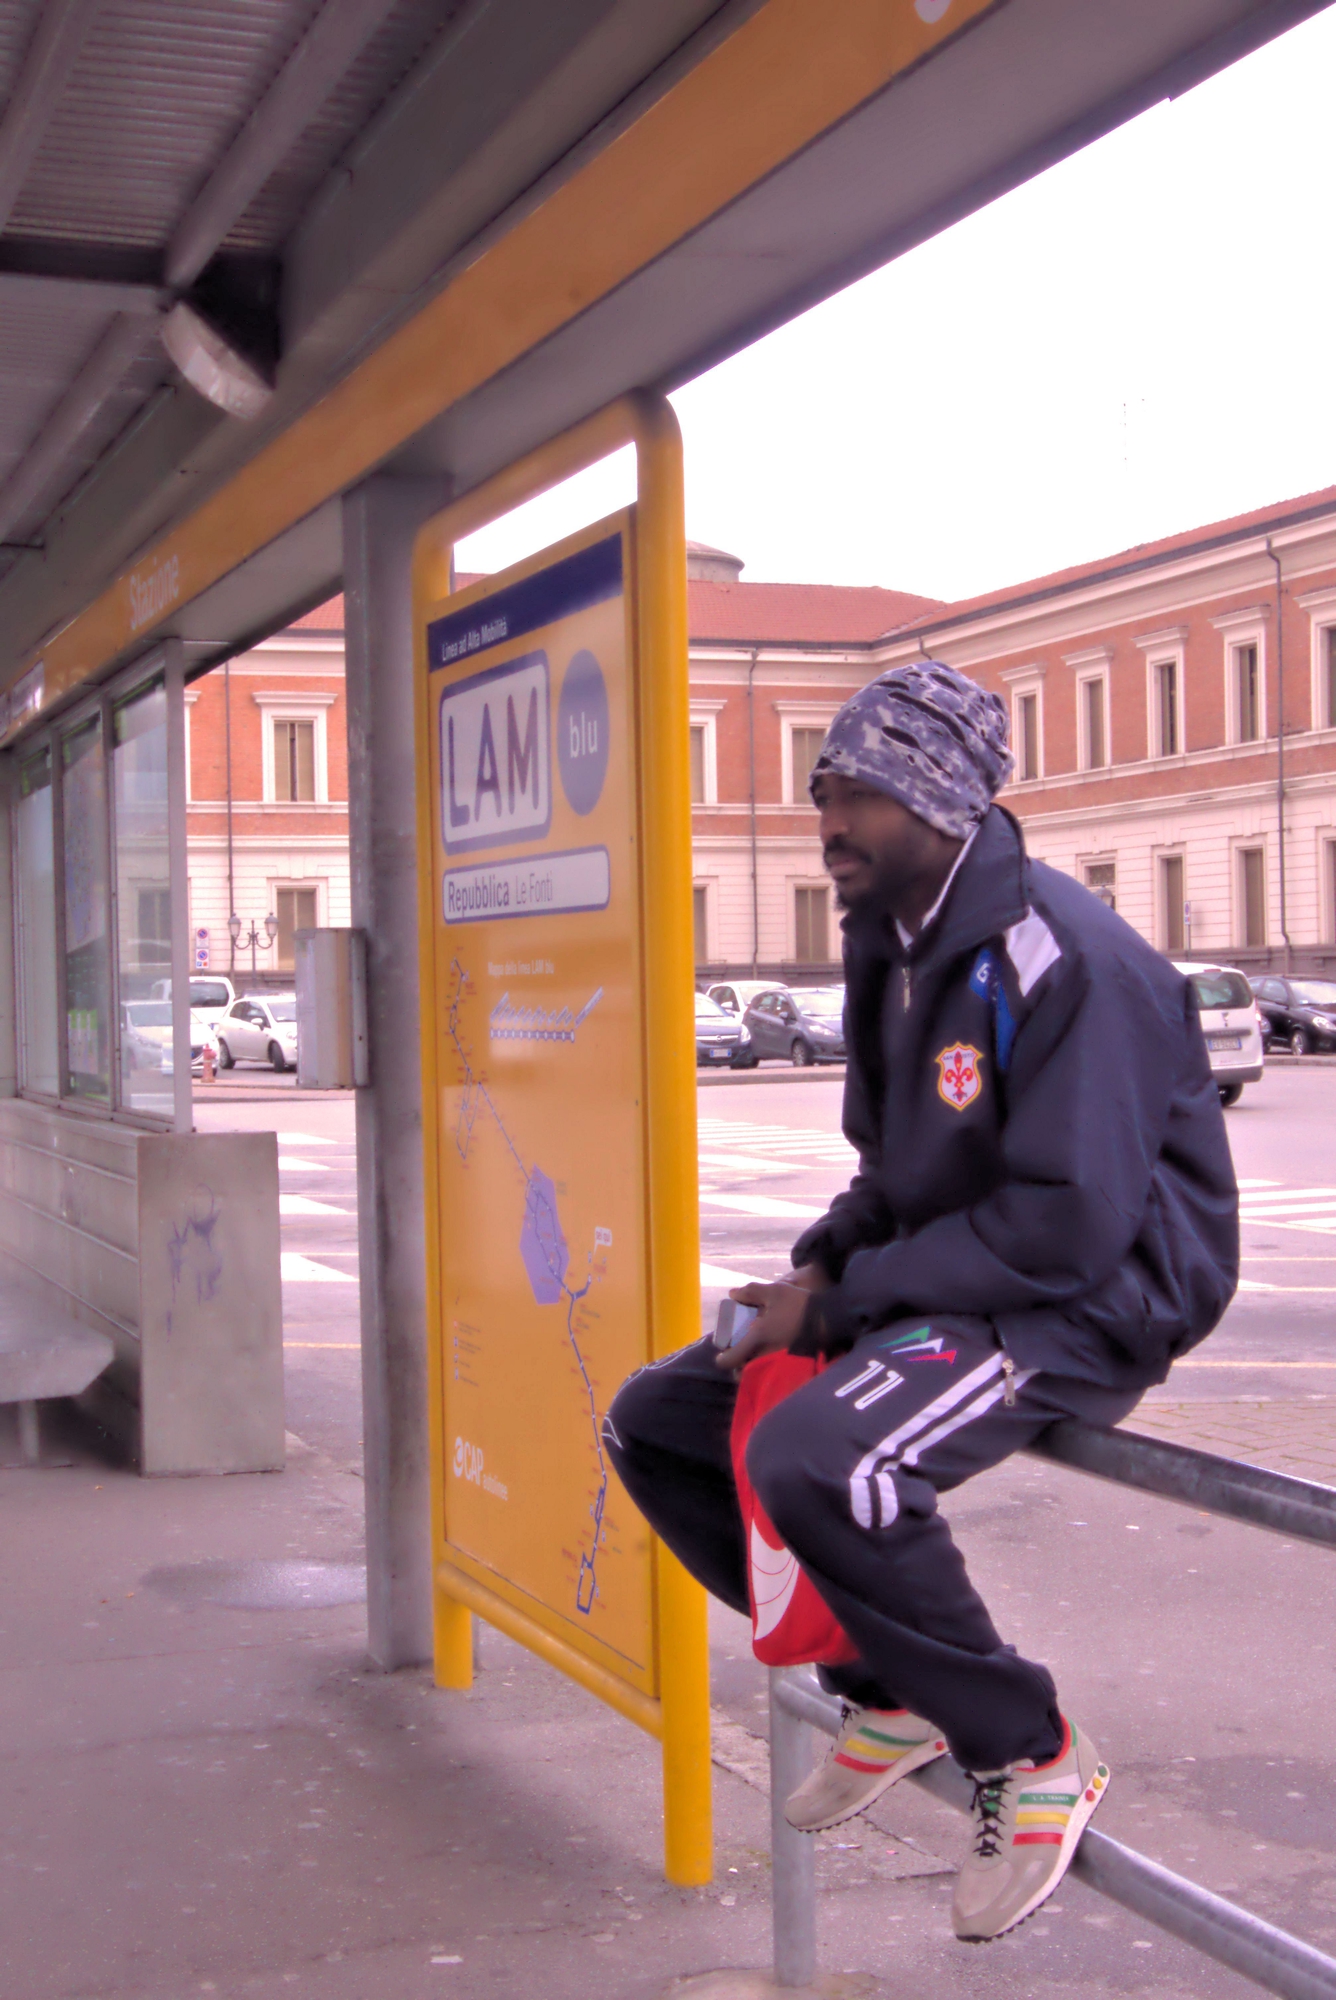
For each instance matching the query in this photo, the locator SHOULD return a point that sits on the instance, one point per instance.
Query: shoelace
(987, 1812)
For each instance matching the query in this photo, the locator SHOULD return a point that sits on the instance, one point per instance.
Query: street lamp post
(253, 939)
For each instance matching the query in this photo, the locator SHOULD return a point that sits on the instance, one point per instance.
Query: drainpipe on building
(1280, 760)
(227, 743)
(751, 782)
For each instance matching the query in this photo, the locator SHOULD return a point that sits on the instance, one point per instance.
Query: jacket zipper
(905, 989)
(1008, 1381)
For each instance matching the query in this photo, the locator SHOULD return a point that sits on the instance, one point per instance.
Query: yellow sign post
(559, 1085)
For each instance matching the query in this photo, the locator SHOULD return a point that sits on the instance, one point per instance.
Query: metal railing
(1271, 1958)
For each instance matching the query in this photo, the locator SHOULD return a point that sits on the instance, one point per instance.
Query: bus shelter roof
(429, 234)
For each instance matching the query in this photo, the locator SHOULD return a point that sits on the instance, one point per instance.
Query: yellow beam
(782, 79)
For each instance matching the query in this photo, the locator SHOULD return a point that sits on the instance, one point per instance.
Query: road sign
(562, 1238)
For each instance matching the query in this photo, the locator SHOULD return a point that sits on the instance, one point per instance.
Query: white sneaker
(875, 1746)
(1027, 1823)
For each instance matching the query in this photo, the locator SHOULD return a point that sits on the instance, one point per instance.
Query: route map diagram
(542, 1246)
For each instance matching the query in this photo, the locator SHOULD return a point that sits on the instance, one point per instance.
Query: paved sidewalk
(1295, 1436)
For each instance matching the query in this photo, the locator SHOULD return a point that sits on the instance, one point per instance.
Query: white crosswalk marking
(1281, 1207)
(801, 1144)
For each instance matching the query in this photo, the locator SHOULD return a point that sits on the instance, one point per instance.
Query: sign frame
(678, 1711)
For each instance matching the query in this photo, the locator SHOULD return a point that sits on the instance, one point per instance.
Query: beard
(889, 877)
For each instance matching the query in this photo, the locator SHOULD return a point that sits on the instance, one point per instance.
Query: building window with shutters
(1247, 693)
(1093, 722)
(700, 922)
(1250, 864)
(811, 924)
(294, 740)
(294, 761)
(802, 733)
(702, 748)
(296, 906)
(1026, 685)
(1166, 725)
(804, 749)
(1327, 703)
(1172, 898)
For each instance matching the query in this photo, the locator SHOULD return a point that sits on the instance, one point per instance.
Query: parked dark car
(1299, 1014)
(805, 1025)
(720, 1037)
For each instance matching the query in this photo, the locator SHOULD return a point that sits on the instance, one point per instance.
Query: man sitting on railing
(1044, 1216)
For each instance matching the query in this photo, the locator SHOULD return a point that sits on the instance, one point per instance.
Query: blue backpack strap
(986, 980)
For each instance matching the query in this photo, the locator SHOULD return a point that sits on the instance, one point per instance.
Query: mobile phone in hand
(732, 1322)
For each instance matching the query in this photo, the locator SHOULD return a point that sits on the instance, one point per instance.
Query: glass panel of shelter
(35, 925)
(93, 908)
(143, 900)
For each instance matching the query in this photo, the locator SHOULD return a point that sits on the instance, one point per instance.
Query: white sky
(1141, 340)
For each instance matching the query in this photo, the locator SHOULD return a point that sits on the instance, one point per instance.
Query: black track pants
(849, 1469)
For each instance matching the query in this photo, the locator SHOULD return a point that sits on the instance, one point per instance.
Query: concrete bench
(43, 1353)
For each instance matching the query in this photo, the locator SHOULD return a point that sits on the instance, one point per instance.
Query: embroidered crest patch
(959, 1081)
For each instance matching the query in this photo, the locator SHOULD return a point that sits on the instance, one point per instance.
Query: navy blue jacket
(1039, 1138)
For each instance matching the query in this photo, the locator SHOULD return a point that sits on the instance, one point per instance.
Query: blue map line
(542, 1233)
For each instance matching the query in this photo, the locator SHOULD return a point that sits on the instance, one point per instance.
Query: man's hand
(779, 1316)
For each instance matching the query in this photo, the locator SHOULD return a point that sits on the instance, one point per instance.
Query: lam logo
(496, 759)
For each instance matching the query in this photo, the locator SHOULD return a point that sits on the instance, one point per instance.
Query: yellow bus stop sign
(553, 698)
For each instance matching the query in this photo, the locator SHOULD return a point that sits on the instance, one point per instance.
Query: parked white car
(736, 995)
(1231, 1024)
(211, 994)
(260, 1027)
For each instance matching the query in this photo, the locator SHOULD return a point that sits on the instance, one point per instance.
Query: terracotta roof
(327, 617)
(1238, 527)
(803, 614)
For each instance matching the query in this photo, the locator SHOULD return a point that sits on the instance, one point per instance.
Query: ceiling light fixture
(212, 365)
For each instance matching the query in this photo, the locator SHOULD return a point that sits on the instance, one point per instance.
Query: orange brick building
(1170, 707)
(267, 820)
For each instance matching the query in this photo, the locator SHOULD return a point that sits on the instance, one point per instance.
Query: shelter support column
(380, 519)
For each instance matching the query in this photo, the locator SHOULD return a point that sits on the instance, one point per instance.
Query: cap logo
(959, 1081)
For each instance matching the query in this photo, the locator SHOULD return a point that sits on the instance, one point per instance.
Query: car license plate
(1224, 1041)
(720, 1055)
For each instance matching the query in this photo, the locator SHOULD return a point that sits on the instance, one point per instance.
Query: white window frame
(1321, 608)
(703, 715)
(1171, 850)
(798, 715)
(797, 882)
(1022, 681)
(1093, 666)
(1241, 843)
(1238, 629)
(1106, 858)
(1163, 649)
(284, 705)
(320, 883)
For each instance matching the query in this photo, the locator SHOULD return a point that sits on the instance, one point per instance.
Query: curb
(819, 1073)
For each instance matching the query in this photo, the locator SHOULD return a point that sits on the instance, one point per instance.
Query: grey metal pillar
(792, 1855)
(380, 519)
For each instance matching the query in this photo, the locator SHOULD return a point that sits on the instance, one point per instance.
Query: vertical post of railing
(793, 1855)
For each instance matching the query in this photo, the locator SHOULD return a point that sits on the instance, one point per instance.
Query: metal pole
(1271, 1958)
(792, 1855)
(380, 519)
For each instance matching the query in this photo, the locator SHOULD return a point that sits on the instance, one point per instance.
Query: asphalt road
(771, 1156)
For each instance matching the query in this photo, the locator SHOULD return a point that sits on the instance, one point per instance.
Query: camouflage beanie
(928, 737)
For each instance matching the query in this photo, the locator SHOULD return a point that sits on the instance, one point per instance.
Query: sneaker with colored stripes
(1027, 1822)
(875, 1746)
